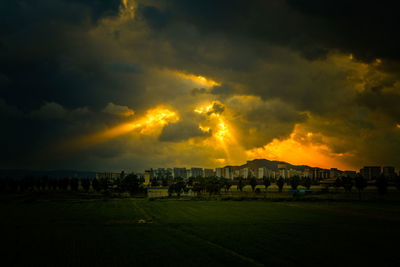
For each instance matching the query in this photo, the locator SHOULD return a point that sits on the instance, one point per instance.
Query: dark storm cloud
(46, 54)
(386, 102)
(198, 91)
(182, 130)
(368, 29)
(217, 108)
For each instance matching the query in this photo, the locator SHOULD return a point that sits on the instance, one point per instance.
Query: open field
(95, 232)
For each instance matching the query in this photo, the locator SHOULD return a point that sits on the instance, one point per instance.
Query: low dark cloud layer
(181, 131)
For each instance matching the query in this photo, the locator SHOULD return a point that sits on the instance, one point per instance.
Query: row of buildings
(233, 172)
(282, 170)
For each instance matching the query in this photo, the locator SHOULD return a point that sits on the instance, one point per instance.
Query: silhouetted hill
(272, 165)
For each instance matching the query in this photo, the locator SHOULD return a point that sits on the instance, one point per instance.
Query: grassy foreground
(96, 232)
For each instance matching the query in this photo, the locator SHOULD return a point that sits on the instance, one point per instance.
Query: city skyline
(254, 171)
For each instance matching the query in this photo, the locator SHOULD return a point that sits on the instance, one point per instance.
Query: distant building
(169, 172)
(154, 192)
(389, 172)
(308, 173)
(160, 173)
(351, 174)
(282, 168)
(262, 172)
(110, 176)
(197, 172)
(321, 173)
(370, 172)
(292, 173)
(180, 172)
(218, 172)
(228, 173)
(265, 172)
(208, 173)
(335, 173)
(148, 175)
(244, 173)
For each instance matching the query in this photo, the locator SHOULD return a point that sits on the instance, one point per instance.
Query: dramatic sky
(111, 85)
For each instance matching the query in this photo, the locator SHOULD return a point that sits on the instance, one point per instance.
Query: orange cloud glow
(295, 152)
(223, 134)
(149, 124)
(201, 80)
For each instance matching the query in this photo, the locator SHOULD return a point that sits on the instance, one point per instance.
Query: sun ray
(154, 119)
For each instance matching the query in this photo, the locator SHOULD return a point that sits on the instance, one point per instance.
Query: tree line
(130, 183)
(212, 185)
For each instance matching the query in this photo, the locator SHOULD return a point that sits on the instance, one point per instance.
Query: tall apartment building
(389, 172)
(335, 173)
(321, 173)
(179, 172)
(197, 172)
(244, 173)
(370, 172)
(148, 176)
(208, 173)
(351, 174)
(228, 174)
(282, 169)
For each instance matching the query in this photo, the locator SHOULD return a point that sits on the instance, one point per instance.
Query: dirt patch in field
(127, 222)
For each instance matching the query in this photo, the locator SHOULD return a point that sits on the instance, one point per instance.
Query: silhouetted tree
(52, 184)
(74, 183)
(141, 180)
(338, 183)
(27, 184)
(179, 186)
(253, 183)
(164, 181)
(307, 183)
(397, 182)
(3, 185)
(225, 184)
(154, 182)
(347, 183)
(171, 189)
(382, 184)
(85, 184)
(130, 184)
(360, 184)
(44, 183)
(96, 185)
(294, 182)
(266, 183)
(197, 187)
(190, 181)
(11, 185)
(116, 186)
(280, 183)
(213, 186)
(240, 184)
(63, 184)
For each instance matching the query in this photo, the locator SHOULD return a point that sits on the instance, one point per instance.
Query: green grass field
(96, 232)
